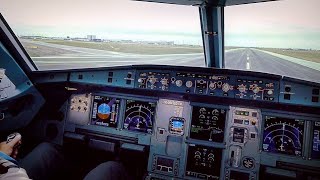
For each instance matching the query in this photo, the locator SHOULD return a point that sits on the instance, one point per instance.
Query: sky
(281, 24)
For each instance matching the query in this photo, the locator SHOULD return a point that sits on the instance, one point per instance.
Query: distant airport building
(91, 37)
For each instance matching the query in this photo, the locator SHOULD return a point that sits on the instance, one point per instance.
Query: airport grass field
(309, 55)
(137, 48)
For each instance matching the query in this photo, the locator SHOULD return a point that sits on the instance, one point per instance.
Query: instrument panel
(198, 141)
(195, 137)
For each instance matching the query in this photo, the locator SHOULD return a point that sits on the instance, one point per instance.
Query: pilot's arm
(9, 169)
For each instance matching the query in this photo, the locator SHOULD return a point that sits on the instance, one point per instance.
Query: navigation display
(283, 135)
(139, 116)
(315, 154)
(208, 124)
(203, 162)
(105, 111)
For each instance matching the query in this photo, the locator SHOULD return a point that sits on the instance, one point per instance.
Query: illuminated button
(246, 122)
(253, 122)
(270, 92)
(140, 80)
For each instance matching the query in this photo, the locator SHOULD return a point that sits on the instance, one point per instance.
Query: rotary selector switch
(242, 88)
(225, 87)
(212, 86)
(152, 80)
(178, 83)
(255, 88)
(189, 84)
(164, 81)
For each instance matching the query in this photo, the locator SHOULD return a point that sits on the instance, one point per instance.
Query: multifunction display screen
(283, 135)
(105, 111)
(316, 141)
(203, 162)
(139, 116)
(176, 125)
(208, 124)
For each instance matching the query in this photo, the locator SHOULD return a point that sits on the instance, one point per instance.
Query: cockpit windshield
(68, 35)
(278, 37)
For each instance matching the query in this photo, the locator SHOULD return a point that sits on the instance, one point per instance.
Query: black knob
(287, 89)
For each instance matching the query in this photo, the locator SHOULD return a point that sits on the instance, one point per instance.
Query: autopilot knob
(256, 89)
(225, 87)
(152, 80)
(212, 86)
(178, 83)
(164, 81)
(189, 84)
(242, 88)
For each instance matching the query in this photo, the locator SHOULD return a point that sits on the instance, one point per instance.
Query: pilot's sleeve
(11, 171)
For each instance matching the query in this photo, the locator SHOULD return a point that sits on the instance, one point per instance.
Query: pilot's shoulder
(11, 171)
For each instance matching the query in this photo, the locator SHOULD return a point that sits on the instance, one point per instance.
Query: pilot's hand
(11, 146)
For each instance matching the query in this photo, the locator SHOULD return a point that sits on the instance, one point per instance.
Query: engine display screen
(235, 175)
(105, 111)
(208, 124)
(139, 116)
(283, 135)
(165, 164)
(315, 154)
(203, 162)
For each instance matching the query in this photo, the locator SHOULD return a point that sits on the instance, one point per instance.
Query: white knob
(189, 84)
(179, 83)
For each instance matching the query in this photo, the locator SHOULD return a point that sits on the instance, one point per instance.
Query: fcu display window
(139, 116)
(283, 135)
(208, 124)
(315, 154)
(105, 111)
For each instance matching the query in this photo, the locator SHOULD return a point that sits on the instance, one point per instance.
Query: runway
(243, 59)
